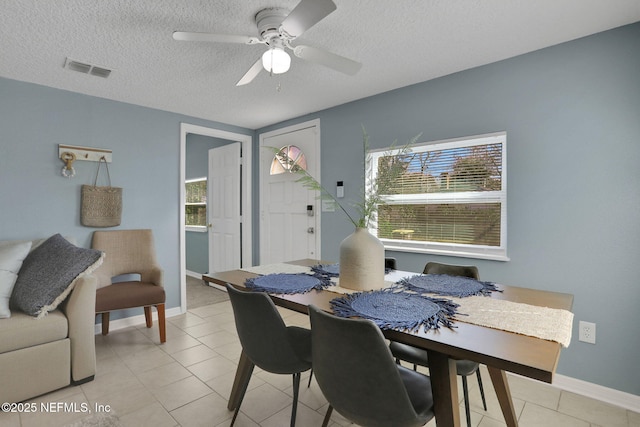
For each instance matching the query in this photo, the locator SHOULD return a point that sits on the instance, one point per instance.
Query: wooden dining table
(499, 350)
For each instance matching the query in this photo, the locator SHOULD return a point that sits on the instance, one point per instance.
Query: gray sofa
(41, 355)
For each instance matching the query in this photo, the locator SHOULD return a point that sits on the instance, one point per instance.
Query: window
(196, 204)
(449, 199)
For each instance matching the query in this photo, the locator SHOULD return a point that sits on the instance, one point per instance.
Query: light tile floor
(187, 380)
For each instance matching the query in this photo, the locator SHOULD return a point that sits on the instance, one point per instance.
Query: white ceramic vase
(362, 261)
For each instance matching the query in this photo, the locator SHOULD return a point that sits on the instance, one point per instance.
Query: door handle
(310, 230)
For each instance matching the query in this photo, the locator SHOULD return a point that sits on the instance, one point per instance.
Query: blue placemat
(283, 283)
(333, 270)
(396, 310)
(443, 284)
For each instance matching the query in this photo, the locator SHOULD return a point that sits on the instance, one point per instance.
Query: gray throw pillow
(49, 273)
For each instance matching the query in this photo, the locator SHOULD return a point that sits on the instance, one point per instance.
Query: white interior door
(225, 221)
(289, 213)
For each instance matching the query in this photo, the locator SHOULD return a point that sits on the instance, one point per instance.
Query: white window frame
(498, 253)
(196, 228)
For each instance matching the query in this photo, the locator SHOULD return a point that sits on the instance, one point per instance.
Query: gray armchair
(129, 252)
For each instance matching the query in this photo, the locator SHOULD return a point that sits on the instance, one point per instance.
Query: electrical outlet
(587, 332)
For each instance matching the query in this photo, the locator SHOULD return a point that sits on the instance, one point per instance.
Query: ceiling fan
(277, 30)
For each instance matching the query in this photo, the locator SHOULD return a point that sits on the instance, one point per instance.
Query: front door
(289, 213)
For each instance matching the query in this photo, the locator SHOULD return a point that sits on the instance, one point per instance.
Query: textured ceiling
(398, 42)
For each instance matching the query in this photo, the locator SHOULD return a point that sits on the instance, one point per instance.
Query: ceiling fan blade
(251, 74)
(305, 15)
(216, 38)
(328, 59)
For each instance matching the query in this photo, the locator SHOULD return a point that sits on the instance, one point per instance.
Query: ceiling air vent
(100, 72)
(85, 68)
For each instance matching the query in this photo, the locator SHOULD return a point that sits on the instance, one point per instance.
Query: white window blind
(450, 199)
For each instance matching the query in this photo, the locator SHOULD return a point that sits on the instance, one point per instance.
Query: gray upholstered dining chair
(418, 356)
(358, 376)
(390, 263)
(269, 343)
(452, 270)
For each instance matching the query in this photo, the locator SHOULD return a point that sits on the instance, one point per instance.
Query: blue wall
(38, 202)
(572, 117)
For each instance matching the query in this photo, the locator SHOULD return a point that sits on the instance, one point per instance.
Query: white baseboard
(194, 274)
(604, 394)
(114, 325)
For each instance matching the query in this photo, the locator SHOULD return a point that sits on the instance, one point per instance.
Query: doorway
(245, 189)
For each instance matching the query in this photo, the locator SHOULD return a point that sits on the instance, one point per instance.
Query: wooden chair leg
(161, 323)
(148, 316)
(105, 323)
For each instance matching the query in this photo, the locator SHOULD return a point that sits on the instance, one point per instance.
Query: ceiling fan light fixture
(276, 60)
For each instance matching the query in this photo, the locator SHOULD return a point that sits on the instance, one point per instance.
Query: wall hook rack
(89, 154)
(70, 153)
